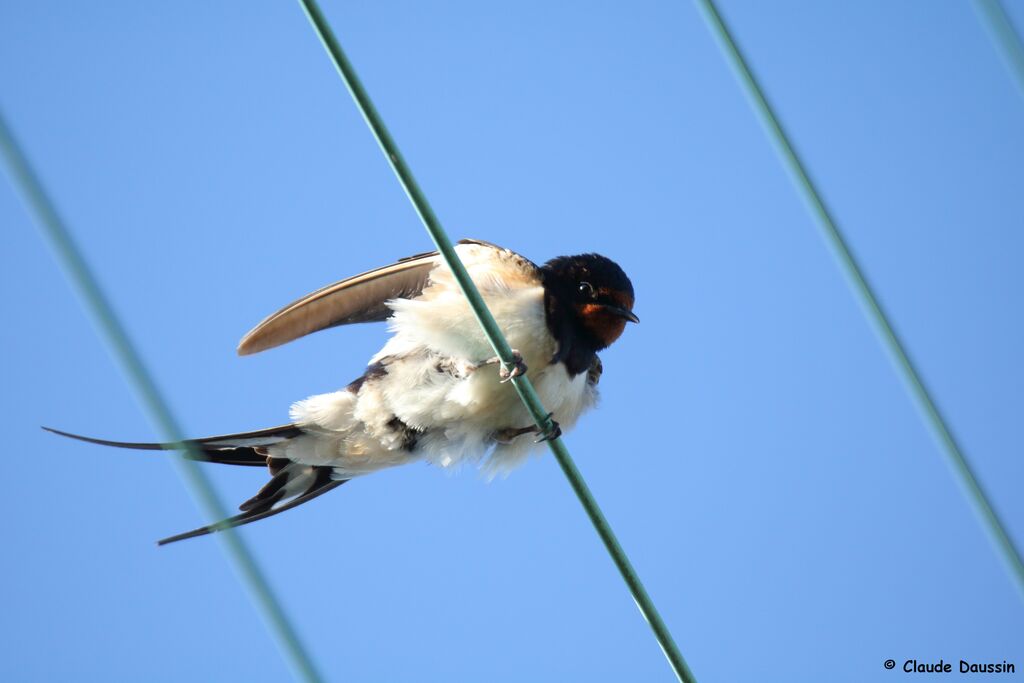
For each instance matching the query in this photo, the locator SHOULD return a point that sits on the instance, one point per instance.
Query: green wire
(495, 336)
(80, 274)
(859, 283)
(1007, 38)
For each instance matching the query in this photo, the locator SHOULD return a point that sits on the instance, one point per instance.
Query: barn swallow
(426, 395)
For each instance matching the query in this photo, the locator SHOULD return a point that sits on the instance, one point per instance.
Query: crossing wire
(494, 335)
(1006, 36)
(149, 395)
(872, 306)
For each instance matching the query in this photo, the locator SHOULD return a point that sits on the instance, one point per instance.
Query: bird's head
(594, 294)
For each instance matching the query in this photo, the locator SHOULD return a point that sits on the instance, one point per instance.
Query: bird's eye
(587, 290)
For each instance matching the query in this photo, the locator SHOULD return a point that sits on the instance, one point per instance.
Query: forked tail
(291, 483)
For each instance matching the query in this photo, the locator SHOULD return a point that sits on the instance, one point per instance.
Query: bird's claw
(552, 433)
(518, 367)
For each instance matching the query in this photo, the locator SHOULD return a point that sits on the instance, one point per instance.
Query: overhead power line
(1006, 37)
(865, 293)
(494, 335)
(78, 271)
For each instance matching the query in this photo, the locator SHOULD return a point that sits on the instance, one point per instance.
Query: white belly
(431, 388)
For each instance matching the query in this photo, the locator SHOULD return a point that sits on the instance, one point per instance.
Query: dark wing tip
(250, 345)
(274, 330)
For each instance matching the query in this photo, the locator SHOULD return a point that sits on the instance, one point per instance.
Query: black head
(591, 295)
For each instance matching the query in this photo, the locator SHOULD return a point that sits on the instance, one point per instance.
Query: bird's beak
(621, 312)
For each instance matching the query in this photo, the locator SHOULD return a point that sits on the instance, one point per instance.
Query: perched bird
(426, 394)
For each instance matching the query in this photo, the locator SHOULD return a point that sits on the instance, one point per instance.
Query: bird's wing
(358, 299)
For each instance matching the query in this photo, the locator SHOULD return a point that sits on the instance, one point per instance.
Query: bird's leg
(506, 435)
(518, 366)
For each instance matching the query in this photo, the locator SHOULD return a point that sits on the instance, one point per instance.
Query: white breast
(457, 413)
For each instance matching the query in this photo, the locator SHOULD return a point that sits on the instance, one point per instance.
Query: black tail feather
(250, 449)
(269, 494)
(258, 507)
(229, 449)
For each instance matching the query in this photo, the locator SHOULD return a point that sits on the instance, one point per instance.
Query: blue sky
(755, 450)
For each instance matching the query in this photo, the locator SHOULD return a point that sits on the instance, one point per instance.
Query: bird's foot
(551, 433)
(506, 435)
(518, 366)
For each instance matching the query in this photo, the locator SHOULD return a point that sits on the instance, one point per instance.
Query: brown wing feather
(358, 299)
